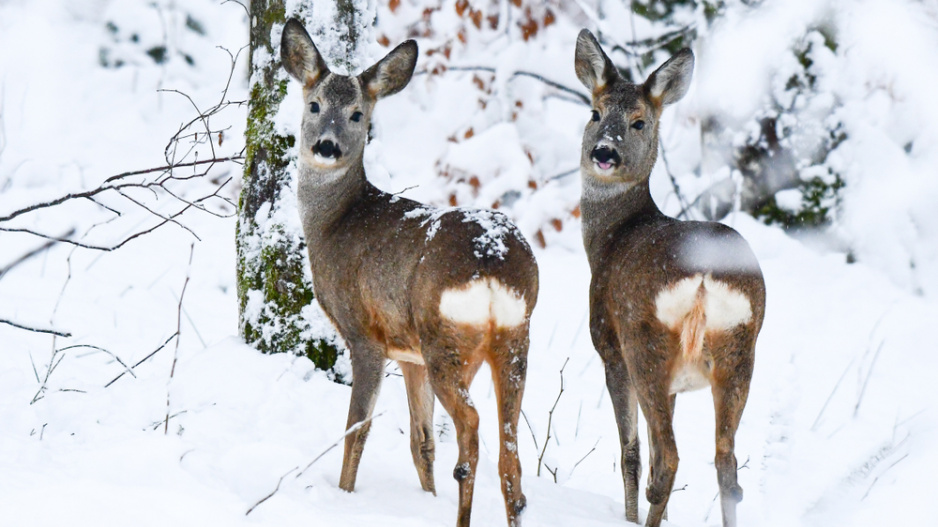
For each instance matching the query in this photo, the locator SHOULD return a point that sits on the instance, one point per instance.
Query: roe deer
(674, 305)
(439, 291)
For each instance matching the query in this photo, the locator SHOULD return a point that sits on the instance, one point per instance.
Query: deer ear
(593, 67)
(669, 83)
(391, 73)
(299, 55)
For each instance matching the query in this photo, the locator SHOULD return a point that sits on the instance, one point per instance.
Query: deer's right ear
(299, 55)
(593, 67)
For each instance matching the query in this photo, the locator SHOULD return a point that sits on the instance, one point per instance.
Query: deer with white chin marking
(439, 291)
(674, 305)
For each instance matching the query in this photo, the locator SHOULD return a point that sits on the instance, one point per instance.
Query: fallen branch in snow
(352, 429)
(550, 418)
(172, 370)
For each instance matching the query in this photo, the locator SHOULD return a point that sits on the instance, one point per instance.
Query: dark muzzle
(606, 157)
(327, 149)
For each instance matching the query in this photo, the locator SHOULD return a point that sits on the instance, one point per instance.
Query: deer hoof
(519, 505)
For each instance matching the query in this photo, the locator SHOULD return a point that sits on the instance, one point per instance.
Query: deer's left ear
(391, 73)
(669, 83)
(299, 55)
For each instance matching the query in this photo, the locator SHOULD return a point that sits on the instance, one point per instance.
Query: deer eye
(314, 107)
(638, 125)
(357, 116)
(595, 116)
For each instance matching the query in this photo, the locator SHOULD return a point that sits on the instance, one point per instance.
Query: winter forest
(163, 360)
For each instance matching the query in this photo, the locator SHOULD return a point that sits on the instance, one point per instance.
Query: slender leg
(509, 367)
(651, 450)
(663, 449)
(624, 406)
(367, 370)
(728, 401)
(450, 378)
(420, 400)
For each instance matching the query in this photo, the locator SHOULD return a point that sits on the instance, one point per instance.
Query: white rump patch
(405, 355)
(724, 307)
(482, 300)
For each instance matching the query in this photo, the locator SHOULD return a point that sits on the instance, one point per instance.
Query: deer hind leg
(730, 390)
(367, 372)
(509, 367)
(662, 447)
(420, 400)
(450, 376)
(625, 407)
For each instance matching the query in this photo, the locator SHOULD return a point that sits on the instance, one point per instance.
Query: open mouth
(326, 152)
(606, 158)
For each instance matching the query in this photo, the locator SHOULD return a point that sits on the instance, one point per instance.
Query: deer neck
(610, 207)
(326, 196)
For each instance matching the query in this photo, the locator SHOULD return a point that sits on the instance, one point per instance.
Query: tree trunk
(277, 312)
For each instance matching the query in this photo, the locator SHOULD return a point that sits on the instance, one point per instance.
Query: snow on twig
(352, 429)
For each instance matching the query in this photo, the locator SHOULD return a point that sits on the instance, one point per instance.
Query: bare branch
(550, 417)
(49, 331)
(577, 94)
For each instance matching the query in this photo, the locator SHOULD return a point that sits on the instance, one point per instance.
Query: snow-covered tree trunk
(275, 293)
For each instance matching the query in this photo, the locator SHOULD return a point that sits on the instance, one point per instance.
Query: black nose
(606, 155)
(327, 149)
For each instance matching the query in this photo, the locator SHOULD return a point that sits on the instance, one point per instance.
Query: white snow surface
(840, 427)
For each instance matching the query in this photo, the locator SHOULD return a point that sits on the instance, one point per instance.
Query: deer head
(338, 108)
(620, 143)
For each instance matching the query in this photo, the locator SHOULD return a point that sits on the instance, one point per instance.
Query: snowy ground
(839, 430)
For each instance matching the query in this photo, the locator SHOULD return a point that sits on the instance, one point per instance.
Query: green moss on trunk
(274, 289)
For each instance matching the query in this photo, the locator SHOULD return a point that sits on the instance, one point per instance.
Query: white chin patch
(325, 161)
(604, 169)
(481, 301)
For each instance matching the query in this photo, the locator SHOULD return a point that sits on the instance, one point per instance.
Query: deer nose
(606, 157)
(328, 149)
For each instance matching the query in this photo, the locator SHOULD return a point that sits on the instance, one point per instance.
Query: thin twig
(141, 361)
(580, 96)
(550, 417)
(352, 429)
(530, 429)
(575, 465)
(49, 331)
(38, 250)
(271, 495)
(866, 381)
(172, 370)
(831, 395)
